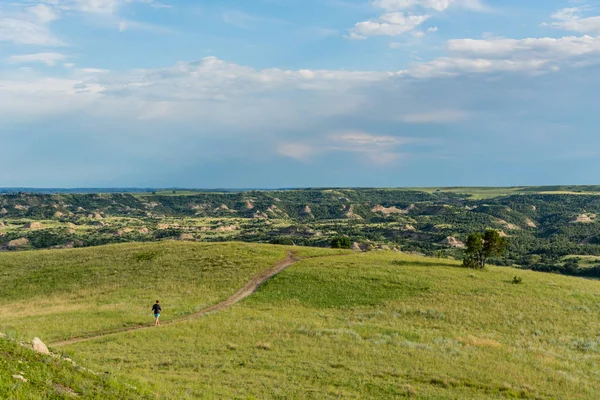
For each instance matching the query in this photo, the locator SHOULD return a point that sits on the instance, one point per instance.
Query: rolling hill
(335, 324)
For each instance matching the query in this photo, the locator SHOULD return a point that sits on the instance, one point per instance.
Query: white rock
(39, 346)
(19, 377)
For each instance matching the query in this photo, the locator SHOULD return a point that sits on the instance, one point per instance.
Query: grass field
(360, 325)
(63, 293)
(483, 192)
(585, 261)
(51, 378)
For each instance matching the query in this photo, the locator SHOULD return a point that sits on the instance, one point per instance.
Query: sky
(299, 93)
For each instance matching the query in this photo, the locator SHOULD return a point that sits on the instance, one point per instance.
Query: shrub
(341, 242)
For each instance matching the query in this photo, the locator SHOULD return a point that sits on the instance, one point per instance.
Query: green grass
(481, 193)
(53, 378)
(372, 326)
(64, 293)
(585, 261)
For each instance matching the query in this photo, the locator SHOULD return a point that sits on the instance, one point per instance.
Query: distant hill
(544, 225)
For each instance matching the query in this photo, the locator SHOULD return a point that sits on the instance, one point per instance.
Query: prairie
(374, 325)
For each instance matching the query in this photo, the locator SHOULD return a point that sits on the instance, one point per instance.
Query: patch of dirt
(18, 243)
(530, 223)
(453, 242)
(260, 215)
(249, 205)
(222, 207)
(33, 225)
(408, 227)
(360, 246)
(123, 232)
(3, 211)
(229, 228)
(584, 219)
(306, 210)
(164, 226)
(388, 210)
(186, 236)
(58, 214)
(144, 230)
(350, 214)
(508, 225)
(94, 216)
(21, 207)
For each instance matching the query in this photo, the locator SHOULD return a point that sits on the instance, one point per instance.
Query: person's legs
(156, 322)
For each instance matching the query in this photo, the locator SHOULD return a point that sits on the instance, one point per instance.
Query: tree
(341, 242)
(481, 247)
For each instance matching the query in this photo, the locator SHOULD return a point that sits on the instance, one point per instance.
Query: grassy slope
(480, 193)
(60, 294)
(51, 378)
(378, 325)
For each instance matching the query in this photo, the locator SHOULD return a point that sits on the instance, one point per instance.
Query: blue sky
(288, 93)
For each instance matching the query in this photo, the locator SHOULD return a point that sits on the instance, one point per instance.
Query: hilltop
(335, 324)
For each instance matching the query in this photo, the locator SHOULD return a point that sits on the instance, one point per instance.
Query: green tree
(341, 242)
(480, 247)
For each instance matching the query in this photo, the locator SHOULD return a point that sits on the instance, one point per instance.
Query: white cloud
(43, 13)
(215, 79)
(437, 5)
(98, 6)
(396, 21)
(297, 151)
(26, 31)
(50, 59)
(530, 55)
(541, 48)
(389, 24)
(361, 141)
(30, 24)
(375, 149)
(570, 19)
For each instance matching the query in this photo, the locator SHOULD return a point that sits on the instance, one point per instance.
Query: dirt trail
(250, 287)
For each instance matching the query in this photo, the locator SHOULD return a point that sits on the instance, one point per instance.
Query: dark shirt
(156, 308)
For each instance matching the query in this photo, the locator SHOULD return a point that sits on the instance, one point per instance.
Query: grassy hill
(47, 377)
(334, 325)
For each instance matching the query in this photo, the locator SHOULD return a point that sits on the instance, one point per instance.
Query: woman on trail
(156, 309)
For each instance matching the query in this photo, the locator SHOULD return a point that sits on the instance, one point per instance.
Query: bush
(286, 241)
(341, 242)
(517, 280)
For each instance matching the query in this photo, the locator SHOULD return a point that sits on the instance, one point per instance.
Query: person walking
(156, 309)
